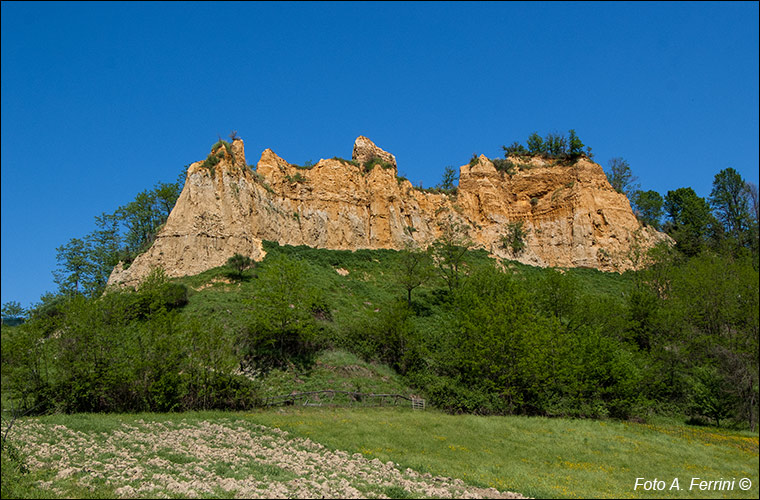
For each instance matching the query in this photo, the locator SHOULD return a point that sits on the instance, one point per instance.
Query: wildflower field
(370, 453)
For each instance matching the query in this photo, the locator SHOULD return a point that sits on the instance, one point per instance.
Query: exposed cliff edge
(573, 217)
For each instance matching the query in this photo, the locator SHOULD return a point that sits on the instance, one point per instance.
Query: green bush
(373, 162)
(504, 165)
(515, 237)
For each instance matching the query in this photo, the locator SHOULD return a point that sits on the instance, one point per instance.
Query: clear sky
(101, 101)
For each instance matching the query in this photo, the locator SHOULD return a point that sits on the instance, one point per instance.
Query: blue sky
(101, 101)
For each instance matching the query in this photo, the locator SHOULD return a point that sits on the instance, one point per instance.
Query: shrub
(504, 165)
(370, 164)
(515, 237)
(343, 160)
(292, 179)
(239, 263)
(515, 149)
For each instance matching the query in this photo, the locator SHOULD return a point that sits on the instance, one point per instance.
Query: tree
(282, 326)
(449, 251)
(691, 222)
(515, 237)
(166, 196)
(536, 144)
(447, 182)
(239, 263)
(103, 243)
(575, 144)
(12, 312)
(74, 266)
(620, 176)
(514, 149)
(648, 207)
(145, 214)
(415, 268)
(140, 220)
(555, 144)
(750, 192)
(729, 202)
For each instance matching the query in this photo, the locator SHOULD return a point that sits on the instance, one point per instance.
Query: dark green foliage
(126, 351)
(350, 162)
(708, 397)
(239, 263)
(556, 145)
(12, 312)
(504, 165)
(282, 327)
(515, 237)
(144, 216)
(473, 160)
(536, 144)
(447, 181)
(691, 223)
(105, 241)
(647, 205)
(84, 264)
(575, 144)
(391, 338)
(728, 200)
(515, 149)
(449, 251)
(372, 162)
(414, 269)
(73, 266)
(512, 339)
(699, 319)
(292, 179)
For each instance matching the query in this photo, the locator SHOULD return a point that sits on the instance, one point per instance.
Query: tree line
(727, 218)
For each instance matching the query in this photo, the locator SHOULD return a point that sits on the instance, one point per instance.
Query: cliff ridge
(571, 216)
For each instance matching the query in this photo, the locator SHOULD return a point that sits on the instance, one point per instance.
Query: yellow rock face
(573, 217)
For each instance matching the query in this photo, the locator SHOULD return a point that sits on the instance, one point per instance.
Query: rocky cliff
(571, 215)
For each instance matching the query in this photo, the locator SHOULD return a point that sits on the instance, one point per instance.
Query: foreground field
(372, 452)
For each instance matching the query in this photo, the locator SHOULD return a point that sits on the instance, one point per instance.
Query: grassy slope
(358, 296)
(337, 370)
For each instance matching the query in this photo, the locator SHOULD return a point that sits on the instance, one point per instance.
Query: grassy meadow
(311, 452)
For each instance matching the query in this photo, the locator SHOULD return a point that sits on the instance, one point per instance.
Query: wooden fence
(344, 398)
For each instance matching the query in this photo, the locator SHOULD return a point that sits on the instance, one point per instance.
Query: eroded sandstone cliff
(571, 214)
